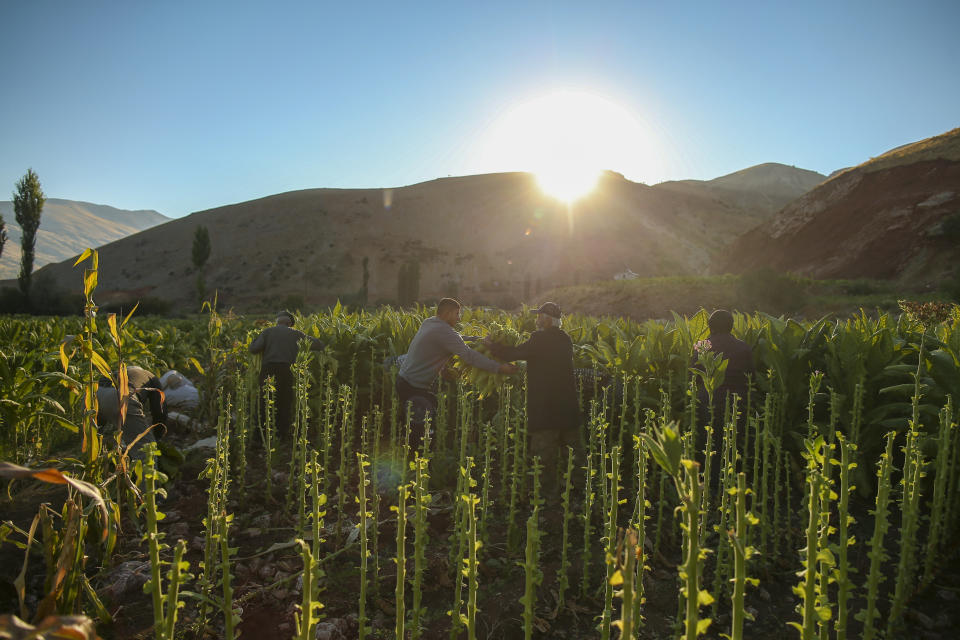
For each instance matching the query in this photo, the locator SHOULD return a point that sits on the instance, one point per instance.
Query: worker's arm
(454, 344)
(522, 351)
(258, 344)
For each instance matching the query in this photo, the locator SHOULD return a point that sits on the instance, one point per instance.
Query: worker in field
(146, 412)
(432, 347)
(553, 414)
(150, 391)
(278, 346)
(739, 357)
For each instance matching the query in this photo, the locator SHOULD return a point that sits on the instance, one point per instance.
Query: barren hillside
(759, 191)
(890, 217)
(489, 239)
(67, 227)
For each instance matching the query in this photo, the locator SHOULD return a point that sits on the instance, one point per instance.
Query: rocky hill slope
(67, 227)
(896, 216)
(758, 191)
(492, 239)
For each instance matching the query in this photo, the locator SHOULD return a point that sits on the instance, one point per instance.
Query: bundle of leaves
(485, 382)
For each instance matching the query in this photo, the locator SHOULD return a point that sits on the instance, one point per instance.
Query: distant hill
(67, 227)
(493, 239)
(758, 191)
(893, 217)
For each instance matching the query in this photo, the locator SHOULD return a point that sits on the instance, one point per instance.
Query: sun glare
(566, 139)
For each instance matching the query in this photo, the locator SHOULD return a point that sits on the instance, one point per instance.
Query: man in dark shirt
(279, 346)
(553, 415)
(739, 357)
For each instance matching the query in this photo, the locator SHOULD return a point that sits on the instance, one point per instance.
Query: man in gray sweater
(433, 346)
(279, 346)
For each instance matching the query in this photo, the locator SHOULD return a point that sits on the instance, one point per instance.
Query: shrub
(12, 301)
(768, 290)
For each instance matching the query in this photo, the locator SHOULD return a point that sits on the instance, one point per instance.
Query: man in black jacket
(739, 357)
(553, 415)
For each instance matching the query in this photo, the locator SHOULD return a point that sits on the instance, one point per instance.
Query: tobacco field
(822, 505)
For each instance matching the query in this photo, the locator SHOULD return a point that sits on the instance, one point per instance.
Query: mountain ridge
(881, 219)
(491, 238)
(69, 226)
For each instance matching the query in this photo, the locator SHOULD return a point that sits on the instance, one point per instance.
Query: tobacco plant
(869, 614)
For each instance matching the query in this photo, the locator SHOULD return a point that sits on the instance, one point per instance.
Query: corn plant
(65, 549)
(92, 442)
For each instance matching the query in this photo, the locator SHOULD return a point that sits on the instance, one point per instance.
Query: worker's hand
(448, 373)
(508, 368)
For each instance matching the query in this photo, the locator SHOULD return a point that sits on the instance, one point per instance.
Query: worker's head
(720, 322)
(285, 318)
(548, 315)
(448, 310)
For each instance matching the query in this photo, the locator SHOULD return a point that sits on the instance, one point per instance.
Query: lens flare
(566, 139)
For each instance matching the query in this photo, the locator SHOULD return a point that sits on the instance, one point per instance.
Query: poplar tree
(3, 235)
(201, 247)
(201, 252)
(28, 202)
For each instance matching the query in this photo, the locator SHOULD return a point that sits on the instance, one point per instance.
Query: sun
(566, 139)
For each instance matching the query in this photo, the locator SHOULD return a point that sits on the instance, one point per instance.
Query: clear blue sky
(183, 106)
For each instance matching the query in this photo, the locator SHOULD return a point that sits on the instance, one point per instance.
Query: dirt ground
(266, 584)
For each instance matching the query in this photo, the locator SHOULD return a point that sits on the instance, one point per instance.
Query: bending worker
(436, 341)
(144, 414)
(279, 345)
